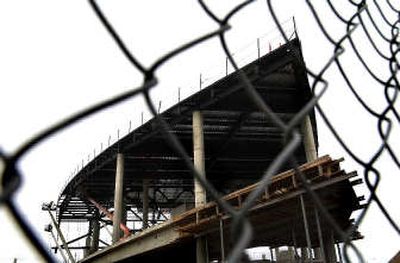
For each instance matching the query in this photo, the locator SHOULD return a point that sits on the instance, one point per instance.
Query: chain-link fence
(376, 21)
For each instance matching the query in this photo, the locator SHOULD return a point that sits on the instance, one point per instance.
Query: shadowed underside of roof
(240, 140)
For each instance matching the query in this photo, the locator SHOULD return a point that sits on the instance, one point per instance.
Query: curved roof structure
(240, 141)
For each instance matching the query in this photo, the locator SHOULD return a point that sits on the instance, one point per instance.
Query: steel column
(339, 253)
(118, 198)
(306, 229)
(320, 238)
(221, 236)
(271, 253)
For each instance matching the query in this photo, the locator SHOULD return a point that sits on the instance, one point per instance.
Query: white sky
(56, 58)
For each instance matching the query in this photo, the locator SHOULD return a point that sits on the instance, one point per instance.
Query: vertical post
(271, 253)
(118, 198)
(311, 154)
(198, 153)
(339, 252)
(199, 191)
(226, 66)
(200, 81)
(306, 229)
(88, 241)
(179, 100)
(294, 242)
(145, 217)
(94, 246)
(258, 48)
(319, 251)
(308, 139)
(221, 236)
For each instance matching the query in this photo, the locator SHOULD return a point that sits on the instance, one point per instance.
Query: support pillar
(88, 241)
(221, 236)
(198, 154)
(95, 226)
(271, 254)
(118, 198)
(319, 253)
(311, 155)
(199, 191)
(92, 240)
(145, 217)
(339, 252)
(308, 139)
(306, 229)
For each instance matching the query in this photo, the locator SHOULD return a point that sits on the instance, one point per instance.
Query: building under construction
(142, 187)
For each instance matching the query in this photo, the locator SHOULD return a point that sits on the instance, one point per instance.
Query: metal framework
(240, 143)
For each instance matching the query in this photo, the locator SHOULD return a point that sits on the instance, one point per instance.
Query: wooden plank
(324, 160)
(285, 195)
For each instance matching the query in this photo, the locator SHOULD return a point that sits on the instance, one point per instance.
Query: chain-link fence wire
(241, 227)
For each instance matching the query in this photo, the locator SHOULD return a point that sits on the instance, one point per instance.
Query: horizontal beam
(148, 240)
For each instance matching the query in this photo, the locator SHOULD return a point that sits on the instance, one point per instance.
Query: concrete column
(311, 155)
(308, 139)
(94, 245)
(145, 204)
(199, 191)
(198, 154)
(118, 198)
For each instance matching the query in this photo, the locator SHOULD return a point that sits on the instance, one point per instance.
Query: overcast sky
(56, 58)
